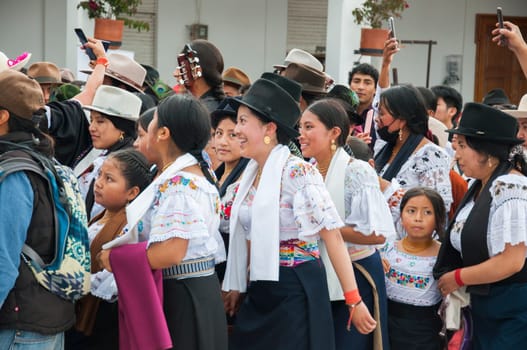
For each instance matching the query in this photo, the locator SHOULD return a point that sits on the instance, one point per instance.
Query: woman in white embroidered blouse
(180, 221)
(281, 210)
(408, 155)
(354, 188)
(485, 248)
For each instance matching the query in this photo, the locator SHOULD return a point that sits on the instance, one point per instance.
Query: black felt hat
(292, 87)
(496, 97)
(273, 103)
(487, 123)
(223, 110)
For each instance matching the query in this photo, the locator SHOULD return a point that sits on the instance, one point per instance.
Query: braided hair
(189, 124)
(134, 167)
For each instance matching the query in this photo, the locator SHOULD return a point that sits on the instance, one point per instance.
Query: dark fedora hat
(273, 103)
(223, 110)
(487, 123)
(313, 81)
(496, 97)
(293, 88)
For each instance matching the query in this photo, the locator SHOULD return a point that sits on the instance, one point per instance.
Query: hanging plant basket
(372, 41)
(110, 30)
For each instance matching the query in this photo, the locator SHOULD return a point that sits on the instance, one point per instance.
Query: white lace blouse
(366, 209)
(430, 167)
(305, 205)
(507, 216)
(410, 280)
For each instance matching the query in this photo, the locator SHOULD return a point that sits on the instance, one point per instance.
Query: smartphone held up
(391, 23)
(83, 39)
(499, 12)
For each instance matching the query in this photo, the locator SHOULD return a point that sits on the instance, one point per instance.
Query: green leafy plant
(375, 12)
(113, 9)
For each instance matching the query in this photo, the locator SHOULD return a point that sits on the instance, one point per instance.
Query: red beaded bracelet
(457, 276)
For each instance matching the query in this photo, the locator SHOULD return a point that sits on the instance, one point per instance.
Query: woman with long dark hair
(408, 155)
(354, 188)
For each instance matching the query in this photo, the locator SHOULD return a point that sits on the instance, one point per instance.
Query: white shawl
(334, 181)
(138, 207)
(265, 225)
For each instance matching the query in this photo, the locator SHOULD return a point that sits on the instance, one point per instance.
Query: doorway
(496, 66)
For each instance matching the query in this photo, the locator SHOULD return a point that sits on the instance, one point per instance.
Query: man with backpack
(31, 316)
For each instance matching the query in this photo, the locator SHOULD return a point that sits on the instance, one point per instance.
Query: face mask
(390, 137)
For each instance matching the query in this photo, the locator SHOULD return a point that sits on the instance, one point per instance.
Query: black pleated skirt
(293, 313)
(414, 327)
(195, 314)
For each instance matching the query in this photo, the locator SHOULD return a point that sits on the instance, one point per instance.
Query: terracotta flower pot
(372, 41)
(110, 30)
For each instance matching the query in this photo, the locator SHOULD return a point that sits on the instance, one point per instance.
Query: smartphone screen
(391, 23)
(84, 40)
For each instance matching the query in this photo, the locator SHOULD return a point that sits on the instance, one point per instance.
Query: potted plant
(375, 13)
(109, 20)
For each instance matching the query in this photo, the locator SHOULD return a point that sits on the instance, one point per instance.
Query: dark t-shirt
(69, 127)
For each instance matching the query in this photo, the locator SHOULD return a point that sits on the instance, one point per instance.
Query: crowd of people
(287, 212)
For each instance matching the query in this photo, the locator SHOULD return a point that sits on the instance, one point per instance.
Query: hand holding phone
(84, 40)
(369, 121)
(391, 23)
(503, 40)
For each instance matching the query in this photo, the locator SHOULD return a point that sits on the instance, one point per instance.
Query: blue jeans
(11, 339)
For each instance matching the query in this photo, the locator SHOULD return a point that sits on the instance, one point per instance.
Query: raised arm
(514, 41)
(96, 78)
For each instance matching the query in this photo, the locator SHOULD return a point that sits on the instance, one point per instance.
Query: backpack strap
(14, 164)
(10, 165)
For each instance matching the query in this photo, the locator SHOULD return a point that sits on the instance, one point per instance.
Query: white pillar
(343, 38)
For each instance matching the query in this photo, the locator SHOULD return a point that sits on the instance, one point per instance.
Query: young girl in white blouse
(413, 296)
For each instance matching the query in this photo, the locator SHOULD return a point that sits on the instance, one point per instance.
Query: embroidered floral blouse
(226, 205)
(507, 217)
(186, 206)
(430, 167)
(410, 280)
(305, 205)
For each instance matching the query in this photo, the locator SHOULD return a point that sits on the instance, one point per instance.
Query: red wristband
(352, 297)
(103, 61)
(457, 276)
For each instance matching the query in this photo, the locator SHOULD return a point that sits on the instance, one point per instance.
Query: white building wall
(252, 34)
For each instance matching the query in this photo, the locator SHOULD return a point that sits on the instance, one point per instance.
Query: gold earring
(489, 162)
(121, 137)
(400, 134)
(267, 140)
(333, 146)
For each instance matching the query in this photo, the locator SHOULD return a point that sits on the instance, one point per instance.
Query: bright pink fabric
(142, 323)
